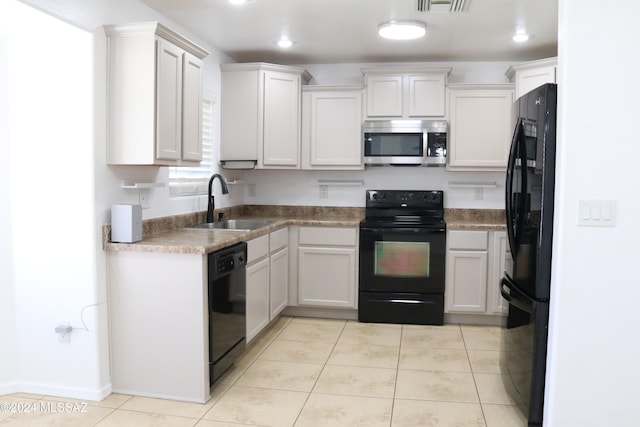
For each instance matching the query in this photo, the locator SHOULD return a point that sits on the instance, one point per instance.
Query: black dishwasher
(227, 308)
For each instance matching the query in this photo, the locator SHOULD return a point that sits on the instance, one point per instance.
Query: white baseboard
(475, 319)
(59, 391)
(8, 388)
(326, 313)
(161, 395)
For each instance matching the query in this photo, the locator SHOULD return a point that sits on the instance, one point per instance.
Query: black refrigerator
(529, 215)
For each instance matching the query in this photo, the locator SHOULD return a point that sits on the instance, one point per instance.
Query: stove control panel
(400, 198)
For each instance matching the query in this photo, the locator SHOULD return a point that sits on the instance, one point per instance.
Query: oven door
(402, 259)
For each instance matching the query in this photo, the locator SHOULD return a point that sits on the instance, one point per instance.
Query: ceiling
(335, 31)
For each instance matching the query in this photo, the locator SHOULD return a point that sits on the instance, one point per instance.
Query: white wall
(593, 375)
(8, 358)
(50, 210)
(263, 187)
(55, 266)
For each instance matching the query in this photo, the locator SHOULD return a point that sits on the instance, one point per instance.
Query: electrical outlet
(251, 189)
(63, 329)
(143, 199)
(324, 191)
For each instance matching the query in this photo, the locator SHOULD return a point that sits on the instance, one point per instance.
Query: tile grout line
(321, 371)
(395, 385)
(475, 383)
(269, 342)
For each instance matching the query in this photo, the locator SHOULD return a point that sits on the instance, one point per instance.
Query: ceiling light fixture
(520, 35)
(285, 42)
(239, 2)
(402, 29)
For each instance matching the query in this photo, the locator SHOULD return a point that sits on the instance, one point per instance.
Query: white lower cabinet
(327, 262)
(500, 262)
(466, 272)
(476, 260)
(267, 280)
(279, 272)
(158, 326)
(257, 297)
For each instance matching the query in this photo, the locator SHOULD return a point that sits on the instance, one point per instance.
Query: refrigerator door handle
(517, 152)
(510, 292)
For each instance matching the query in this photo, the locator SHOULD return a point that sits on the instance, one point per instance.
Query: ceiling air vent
(442, 6)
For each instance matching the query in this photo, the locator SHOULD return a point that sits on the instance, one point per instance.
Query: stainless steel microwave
(405, 142)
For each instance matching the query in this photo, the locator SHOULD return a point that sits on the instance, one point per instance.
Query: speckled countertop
(475, 219)
(172, 234)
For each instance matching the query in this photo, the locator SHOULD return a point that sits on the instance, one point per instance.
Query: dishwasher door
(227, 308)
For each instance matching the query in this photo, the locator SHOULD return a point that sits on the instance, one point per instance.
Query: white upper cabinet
(405, 92)
(530, 75)
(154, 96)
(261, 110)
(332, 127)
(480, 127)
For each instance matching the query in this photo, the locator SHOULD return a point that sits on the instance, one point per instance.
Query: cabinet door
(426, 95)
(326, 276)
(466, 283)
(501, 262)
(168, 101)
(281, 138)
(279, 284)
(384, 96)
(333, 135)
(191, 108)
(257, 297)
(241, 115)
(527, 80)
(480, 129)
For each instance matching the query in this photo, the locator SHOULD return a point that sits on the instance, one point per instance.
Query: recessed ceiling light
(402, 29)
(285, 42)
(520, 35)
(238, 2)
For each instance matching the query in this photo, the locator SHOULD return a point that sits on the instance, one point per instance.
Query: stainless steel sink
(235, 224)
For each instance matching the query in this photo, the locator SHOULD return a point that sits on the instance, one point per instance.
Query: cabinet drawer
(459, 239)
(328, 236)
(257, 248)
(278, 239)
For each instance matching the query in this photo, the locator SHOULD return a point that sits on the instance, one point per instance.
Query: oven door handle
(403, 230)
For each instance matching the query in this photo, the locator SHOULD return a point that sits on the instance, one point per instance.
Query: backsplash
(173, 222)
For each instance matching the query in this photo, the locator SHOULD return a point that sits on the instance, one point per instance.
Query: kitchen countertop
(475, 219)
(173, 235)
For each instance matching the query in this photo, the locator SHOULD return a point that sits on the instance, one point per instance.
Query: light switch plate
(597, 213)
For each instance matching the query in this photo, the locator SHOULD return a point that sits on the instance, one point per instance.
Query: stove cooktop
(403, 209)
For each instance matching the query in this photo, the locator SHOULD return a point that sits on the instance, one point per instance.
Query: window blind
(191, 181)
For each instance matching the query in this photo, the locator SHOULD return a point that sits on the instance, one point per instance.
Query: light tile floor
(306, 372)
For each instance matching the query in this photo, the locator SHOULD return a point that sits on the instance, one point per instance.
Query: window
(191, 181)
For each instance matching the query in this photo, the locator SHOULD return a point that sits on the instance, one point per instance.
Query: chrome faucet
(211, 202)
